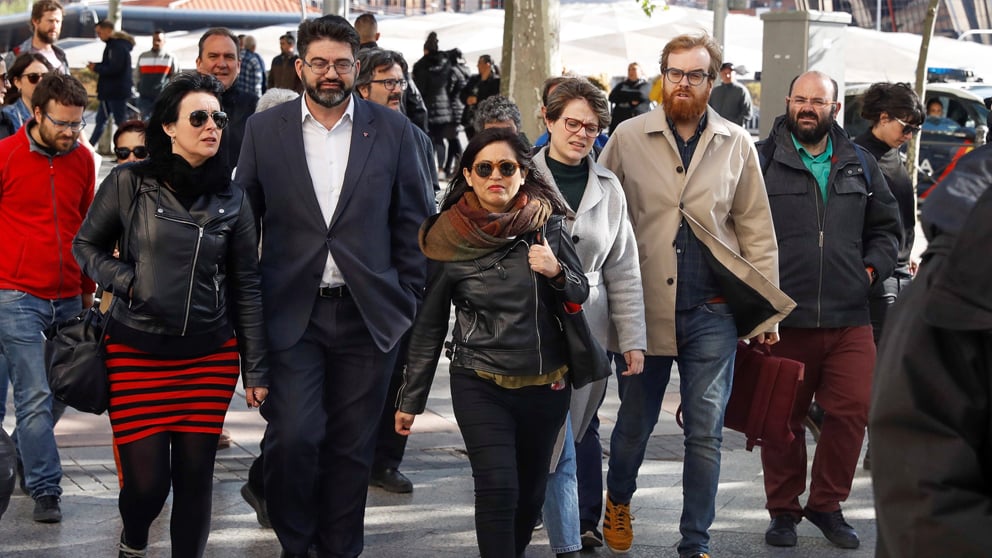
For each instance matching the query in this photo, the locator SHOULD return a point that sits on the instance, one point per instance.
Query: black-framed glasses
(140, 152)
(573, 126)
(63, 125)
(815, 102)
(198, 118)
(390, 84)
(320, 66)
(906, 127)
(33, 77)
(506, 168)
(3, 77)
(695, 77)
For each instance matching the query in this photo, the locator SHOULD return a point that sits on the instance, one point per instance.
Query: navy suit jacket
(372, 235)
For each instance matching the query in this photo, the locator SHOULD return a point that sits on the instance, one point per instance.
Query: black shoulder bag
(587, 359)
(74, 349)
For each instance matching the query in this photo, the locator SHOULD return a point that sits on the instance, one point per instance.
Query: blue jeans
(117, 107)
(707, 342)
(4, 383)
(22, 319)
(561, 500)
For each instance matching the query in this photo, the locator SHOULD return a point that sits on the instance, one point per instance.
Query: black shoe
(286, 554)
(834, 527)
(46, 509)
(591, 538)
(257, 502)
(781, 531)
(391, 480)
(867, 462)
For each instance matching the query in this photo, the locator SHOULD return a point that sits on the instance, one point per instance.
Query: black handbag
(587, 360)
(74, 360)
(74, 349)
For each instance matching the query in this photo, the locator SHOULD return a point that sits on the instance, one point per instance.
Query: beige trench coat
(721, 196)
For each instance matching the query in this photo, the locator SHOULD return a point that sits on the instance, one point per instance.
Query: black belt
(333, 292)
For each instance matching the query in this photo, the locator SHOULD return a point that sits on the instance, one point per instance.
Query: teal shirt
(818, 165)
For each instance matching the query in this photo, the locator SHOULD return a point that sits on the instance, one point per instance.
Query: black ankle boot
(572, 554)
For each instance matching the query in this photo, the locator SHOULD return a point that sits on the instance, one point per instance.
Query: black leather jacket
(505, 315)
(188, 272)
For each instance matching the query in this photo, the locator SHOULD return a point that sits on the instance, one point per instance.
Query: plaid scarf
(467, 231)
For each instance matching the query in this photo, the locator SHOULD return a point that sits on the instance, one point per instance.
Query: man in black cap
(731, 99)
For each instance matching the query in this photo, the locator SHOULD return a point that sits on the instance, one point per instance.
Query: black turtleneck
(890, 163)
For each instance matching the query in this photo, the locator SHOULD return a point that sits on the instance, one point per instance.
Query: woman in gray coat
(576, 113)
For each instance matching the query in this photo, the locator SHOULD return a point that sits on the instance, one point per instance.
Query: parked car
(942, 142)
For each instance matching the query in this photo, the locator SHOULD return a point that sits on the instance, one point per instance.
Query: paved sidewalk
(435, 521)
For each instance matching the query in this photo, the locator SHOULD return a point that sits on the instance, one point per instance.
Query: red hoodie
(43, 199)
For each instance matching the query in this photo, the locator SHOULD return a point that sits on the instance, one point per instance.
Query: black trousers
(323, 408)
(509, 435)
(390, 446)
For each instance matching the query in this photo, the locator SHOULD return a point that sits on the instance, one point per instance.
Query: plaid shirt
(251, 80)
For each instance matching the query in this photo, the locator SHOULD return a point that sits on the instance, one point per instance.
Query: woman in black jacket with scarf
(187, 310)
(500, 254)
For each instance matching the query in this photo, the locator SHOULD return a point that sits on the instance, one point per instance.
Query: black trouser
(323, 409)
(389, 446)
(509, 435)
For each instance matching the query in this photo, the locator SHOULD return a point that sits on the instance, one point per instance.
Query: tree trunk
(921, 79)
(530, 55)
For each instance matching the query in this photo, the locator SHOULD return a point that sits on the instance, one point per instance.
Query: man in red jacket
(46, 187)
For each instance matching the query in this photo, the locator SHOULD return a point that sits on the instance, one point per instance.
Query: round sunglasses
(506, 168)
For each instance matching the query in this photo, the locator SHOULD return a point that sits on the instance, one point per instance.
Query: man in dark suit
(337, 185)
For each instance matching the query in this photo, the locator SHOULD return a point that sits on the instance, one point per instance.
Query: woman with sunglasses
(575, 114)
(499, 252)
(23, 75)
(896, 114)
(129, 142)
(187, 309)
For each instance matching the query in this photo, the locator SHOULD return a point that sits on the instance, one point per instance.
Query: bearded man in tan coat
(709, 267)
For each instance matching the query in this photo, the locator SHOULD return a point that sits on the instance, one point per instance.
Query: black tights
(182, 460)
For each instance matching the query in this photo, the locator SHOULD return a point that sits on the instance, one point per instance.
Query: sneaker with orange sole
(617, 531)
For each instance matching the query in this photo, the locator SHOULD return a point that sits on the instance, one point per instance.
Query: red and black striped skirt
(151, 393)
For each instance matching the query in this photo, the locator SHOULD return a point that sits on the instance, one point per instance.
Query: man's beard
(329, 98)
(54, 140)
(809, 135)
(43, 37)
(684, 110)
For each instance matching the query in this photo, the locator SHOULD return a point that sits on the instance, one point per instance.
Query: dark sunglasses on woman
(33, 77)
(140, 152)
(198, 118)
(506, 168)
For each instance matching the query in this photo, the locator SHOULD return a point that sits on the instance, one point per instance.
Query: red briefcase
(763, 395)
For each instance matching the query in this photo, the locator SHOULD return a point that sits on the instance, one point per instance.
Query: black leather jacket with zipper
(188, 272)
(505, 315)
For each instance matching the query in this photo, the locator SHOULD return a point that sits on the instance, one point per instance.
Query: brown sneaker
(617, 532)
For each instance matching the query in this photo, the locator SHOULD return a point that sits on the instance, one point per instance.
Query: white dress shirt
(327, 154)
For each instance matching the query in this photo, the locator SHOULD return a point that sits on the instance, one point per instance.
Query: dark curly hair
(898, 100)
(535, 185)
